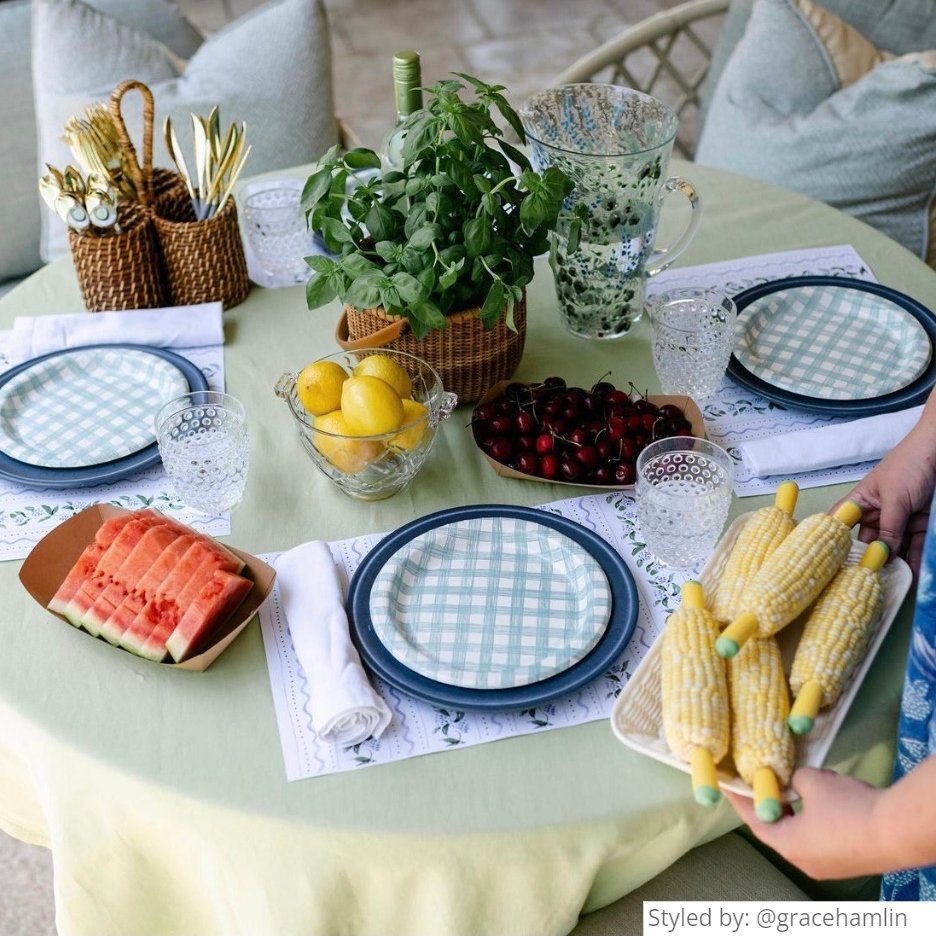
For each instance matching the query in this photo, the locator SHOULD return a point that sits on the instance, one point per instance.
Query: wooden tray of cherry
(549, 431)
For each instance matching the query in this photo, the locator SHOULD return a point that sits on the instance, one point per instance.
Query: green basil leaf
(357, 264)
(424, 316)
(361, 158)
(364, 292)
(316, 188)
(477, 236)
(425, 236)
(320, 290)
(512, 153)
(325, 265)
(512, 118)
(336, 230)
(493, 305)
(408, 287)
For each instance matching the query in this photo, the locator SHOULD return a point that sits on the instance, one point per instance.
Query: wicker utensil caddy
(159, 255)
(467, 356)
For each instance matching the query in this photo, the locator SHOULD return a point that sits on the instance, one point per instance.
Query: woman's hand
(833, 835)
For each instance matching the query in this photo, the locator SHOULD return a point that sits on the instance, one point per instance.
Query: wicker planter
(468, 357)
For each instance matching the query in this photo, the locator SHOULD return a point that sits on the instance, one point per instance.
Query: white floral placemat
(28, 513)
(420, 728)
(735, 415)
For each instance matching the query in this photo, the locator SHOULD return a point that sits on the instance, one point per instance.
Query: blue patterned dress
(917, 734)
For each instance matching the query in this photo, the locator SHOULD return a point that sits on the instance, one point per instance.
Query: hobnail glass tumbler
(203, 443)
(683, 493)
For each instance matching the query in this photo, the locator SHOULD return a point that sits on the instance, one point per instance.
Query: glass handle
(284, 385)
(661, 258)
(447, 403)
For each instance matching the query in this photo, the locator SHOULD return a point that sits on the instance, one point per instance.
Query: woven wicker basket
(122, 269)
(204, 260)
(468, 357)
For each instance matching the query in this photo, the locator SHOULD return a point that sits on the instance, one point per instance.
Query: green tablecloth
(162, 793)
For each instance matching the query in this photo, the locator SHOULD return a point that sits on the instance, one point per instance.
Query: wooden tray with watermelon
(148, 584)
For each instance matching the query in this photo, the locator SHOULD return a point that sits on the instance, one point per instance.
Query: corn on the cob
(792, 577)
(761, 745)
(835, 636)
(758, 539)
(695, 692)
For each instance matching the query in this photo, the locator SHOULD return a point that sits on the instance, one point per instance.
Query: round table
(163, 794)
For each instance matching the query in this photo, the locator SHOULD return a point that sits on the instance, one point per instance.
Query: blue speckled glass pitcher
(615, 144)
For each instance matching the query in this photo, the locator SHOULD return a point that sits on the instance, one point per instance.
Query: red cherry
(684, 432)
(587, 457)
(617, 396)
(643, 405)
(628, 450)
(528, 463)
(484, 413)
(525, 422)
(549, 466)
(634, 424)
(578, 436)
(501, 425)
(625, 473)
(502, 449)
(605, 448)
(648, 419)
(640, 440)
(617, 427)
(545, 443)
(669, 411)
(526, 443)
(570, 470)
(603, 475)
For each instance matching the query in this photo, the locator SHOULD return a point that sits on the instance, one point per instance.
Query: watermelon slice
(127, 577)
(136, 599)
(214, 604)
(212, 544)
(87, 561)
(108, 564)
(165, 609)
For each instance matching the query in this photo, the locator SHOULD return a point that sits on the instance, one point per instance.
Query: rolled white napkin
(192, 326)
(345, 707)
(848, 443)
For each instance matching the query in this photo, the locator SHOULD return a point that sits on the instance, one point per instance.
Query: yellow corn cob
(695, 692)
(835, 636)
(758, 539)
(792, 577)
(761, 745)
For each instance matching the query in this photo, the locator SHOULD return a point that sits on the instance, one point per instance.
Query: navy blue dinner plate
(11, 469)
(604, 654)
(914, 393)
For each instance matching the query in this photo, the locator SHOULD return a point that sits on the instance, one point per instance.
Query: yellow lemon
(318, 386)
(388, 370)
(370, 406)
(409, 438)
(348, 455)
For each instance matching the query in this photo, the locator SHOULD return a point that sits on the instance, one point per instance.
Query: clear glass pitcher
(615, 144)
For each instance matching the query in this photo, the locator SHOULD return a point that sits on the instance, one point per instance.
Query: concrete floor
(522, 44)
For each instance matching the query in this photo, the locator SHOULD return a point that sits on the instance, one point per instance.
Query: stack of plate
(833, 345)
(491, 607)
(87, 415)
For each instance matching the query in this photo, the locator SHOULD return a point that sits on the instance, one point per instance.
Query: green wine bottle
(407, 87)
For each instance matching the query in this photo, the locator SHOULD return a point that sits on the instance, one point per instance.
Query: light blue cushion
(270, 69)
(780, 113)
(898, 26)
(19, 207)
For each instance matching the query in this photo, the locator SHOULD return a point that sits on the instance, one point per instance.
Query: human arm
(895, 496)
(847, 828)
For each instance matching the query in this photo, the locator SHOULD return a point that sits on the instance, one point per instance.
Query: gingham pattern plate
(490, 603)
(85, 407)
(832, 343)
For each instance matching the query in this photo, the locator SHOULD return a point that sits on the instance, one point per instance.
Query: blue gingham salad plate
(85, 416)
(834, 345)
(457, 627)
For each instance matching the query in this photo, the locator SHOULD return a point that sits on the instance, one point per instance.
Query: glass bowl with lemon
(367, 419)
